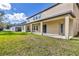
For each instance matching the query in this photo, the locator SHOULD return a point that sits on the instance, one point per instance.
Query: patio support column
(41, 28)
(67, 27)
(31, 28)
(24, 28)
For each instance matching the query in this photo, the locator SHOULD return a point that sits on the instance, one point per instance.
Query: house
(59, 21)
(16, 28)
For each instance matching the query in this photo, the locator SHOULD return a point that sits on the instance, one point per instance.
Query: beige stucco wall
(53, 27)
(76, 20)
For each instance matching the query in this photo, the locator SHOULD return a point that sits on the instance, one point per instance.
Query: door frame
(61, 29)
(44, 28)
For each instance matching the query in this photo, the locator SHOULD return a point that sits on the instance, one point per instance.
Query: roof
(49, 8)
(53, 16)
(57, 15)
(44, 10)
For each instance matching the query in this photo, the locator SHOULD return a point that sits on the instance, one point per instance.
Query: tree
(1, 19)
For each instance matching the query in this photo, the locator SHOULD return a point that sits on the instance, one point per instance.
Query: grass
(12, 33)
(35, 45)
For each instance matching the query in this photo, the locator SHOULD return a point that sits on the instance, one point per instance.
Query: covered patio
(57, 27)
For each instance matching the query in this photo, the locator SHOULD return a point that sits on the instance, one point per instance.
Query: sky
(28, 8)
(18, 12)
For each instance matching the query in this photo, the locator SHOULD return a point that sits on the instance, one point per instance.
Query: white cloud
(5, 6)
(15, 18)
(18, 16)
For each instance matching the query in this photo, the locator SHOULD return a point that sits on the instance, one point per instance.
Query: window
(33, 18)
(34, 27)
(37, 17)
(44, 28)
(28, 29)
(28, 20)
(37, 28)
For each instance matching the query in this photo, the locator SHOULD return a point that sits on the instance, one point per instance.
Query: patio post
(24, 28)
(67, 27)
(31, 28)
(41, 28)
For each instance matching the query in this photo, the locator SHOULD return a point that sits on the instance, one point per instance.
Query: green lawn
(27, 44)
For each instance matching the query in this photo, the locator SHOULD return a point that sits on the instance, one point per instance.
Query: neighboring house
(59, 21)
(16, 28)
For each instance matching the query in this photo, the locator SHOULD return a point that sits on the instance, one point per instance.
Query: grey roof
(45, 9)
(57, 15)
